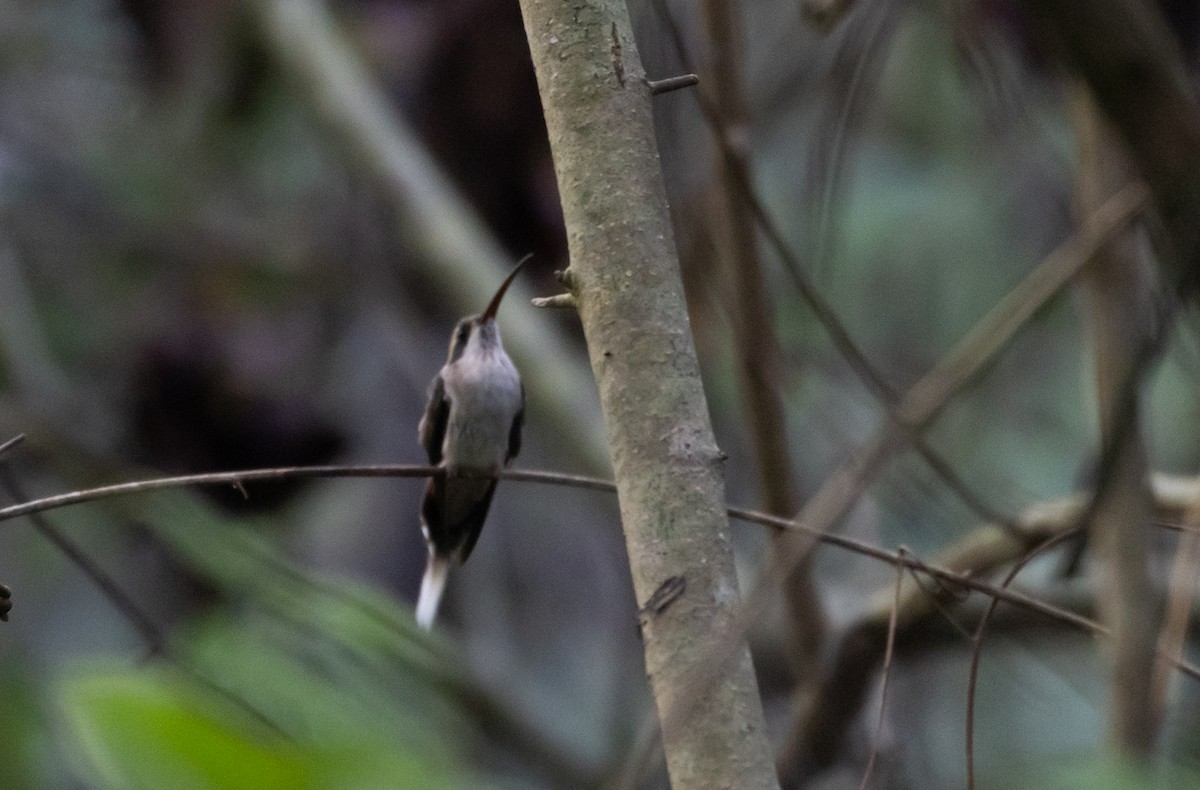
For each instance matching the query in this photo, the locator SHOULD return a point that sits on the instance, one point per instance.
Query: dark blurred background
(199, 272)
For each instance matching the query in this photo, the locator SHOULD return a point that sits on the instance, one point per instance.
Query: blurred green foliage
(303, 682)
(220, 272)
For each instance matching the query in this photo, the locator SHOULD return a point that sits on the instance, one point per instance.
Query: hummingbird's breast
(485, 396)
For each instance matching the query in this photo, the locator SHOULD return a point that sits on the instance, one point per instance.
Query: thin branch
(963, 579)
(752, 316)
(1172, 495)
(142, 623)
(977, 648)
(659, 87)
(819, 730)
(11, 443)
(211, 478)
(824, 312)
(887, 676)
(1181, 588)
(930, 395)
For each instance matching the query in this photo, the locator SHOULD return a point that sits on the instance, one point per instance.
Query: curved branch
(819, 732)
(989, 547)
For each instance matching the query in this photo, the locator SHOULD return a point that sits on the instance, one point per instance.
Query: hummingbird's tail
(433, 584)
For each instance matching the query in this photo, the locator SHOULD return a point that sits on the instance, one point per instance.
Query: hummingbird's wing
(473, 524)
(453, 511)
(514, 433)
(432, 429)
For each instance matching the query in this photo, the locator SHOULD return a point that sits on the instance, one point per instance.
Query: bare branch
(556, 301)
(211, 478)
(659, 87)
(987, 548)
(821, 308)
(887, 675)
(752, 315)
(129, 609)
(925, 401)
(977, 648)
(11, 443)
(819, 730)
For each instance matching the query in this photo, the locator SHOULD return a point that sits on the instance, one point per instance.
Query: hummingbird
(471, 429)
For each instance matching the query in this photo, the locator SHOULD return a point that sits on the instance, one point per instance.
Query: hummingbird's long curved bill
(494, 305)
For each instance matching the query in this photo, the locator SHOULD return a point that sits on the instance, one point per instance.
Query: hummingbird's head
(479, 332)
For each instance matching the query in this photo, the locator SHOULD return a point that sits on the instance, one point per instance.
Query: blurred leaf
(144, 731)
(1099, 773)
(155, 730)
(327, 661)
(246, 566)
(23, 727)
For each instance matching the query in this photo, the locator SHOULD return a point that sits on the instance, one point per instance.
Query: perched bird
(471, 428)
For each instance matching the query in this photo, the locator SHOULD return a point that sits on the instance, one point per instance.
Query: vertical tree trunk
(625, 278)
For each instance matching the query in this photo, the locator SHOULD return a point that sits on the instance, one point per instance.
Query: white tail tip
(433, 584)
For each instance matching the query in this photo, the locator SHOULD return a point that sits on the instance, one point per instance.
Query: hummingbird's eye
(463, 333)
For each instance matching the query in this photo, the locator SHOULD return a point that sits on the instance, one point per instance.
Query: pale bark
(625, 279)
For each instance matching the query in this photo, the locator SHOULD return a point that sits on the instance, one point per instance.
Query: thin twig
(141, 621)
(1181, 587)
(659, 87)
(887, 675)
(977, 649)
(11, 443)
(930, 395)
(824, 312)
(752, 317)
(938, 599)
(1168, 488)
(819, 730)
(211, 478)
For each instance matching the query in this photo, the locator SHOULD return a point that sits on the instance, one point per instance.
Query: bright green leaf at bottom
(149, 730)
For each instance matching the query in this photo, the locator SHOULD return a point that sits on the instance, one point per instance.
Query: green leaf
(154, 729)
(1100, 773)
(147, 732)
